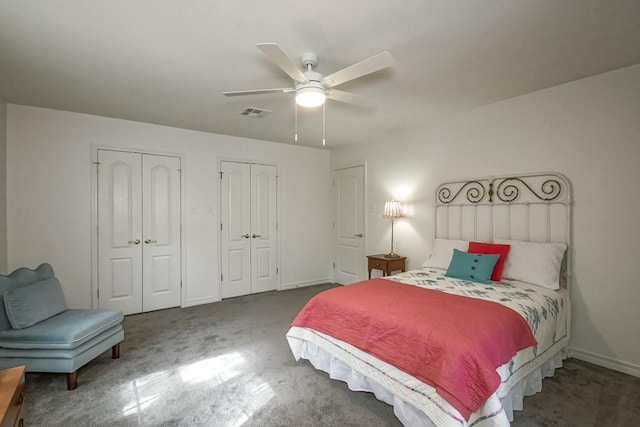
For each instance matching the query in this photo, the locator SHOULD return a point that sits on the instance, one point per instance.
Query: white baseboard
(200, 301)
(304, 284)
(606, 362)
(207, 300)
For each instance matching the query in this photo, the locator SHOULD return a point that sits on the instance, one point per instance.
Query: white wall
(49, 197)
(588, 130)
(3, 187)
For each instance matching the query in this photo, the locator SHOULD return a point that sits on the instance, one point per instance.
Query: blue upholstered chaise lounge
(38, 331)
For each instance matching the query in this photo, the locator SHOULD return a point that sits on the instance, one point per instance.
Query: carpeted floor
(228, 364)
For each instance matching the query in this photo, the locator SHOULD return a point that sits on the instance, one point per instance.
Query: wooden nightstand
(387, 265)
(12, 397)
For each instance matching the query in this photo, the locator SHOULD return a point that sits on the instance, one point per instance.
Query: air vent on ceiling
(254, 112)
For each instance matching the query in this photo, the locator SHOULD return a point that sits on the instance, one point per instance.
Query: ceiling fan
(312, 88)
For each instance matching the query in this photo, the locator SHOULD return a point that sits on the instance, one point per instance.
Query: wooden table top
(9, 380)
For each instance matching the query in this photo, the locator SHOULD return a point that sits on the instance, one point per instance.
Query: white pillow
(531, 262)
(442, 252)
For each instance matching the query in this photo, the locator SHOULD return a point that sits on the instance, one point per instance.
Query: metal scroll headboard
(531, 207)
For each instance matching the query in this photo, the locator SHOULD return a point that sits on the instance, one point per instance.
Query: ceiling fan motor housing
(312, 77)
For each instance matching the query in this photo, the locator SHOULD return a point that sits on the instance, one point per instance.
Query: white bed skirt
(409, 415)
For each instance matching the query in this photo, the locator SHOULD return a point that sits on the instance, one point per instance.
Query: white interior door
(263, 228)
(139, 217)
(235, 203)
(161, 232)
(348, 188)
(120, 231)
(249, 233)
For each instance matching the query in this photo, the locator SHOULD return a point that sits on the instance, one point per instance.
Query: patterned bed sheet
(546, 311)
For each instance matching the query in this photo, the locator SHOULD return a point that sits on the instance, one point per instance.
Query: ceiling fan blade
(359, 69)
(259, 91)
(351, 98)
(277, 55)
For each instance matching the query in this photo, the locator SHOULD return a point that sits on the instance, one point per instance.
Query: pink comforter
(450, 342)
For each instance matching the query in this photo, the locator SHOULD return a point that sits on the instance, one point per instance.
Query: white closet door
(139, 217)
(348, 188)
(249, 234)
(263, 228)
(119, 231)
(161, 232)
(235, 196)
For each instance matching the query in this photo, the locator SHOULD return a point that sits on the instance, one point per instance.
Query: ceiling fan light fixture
(310, 96)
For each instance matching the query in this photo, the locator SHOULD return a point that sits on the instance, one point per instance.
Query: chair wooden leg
(115, 351)
(72, 380)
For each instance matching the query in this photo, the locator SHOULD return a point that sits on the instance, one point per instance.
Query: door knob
(246, 236)
(150, 241)
(359, 235)
(255, 235)
(135, 242)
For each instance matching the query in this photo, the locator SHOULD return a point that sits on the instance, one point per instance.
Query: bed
(461, 340)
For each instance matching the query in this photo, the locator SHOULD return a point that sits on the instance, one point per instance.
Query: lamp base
(392, 255)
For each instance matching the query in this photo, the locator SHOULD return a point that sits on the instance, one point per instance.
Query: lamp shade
(393, 209)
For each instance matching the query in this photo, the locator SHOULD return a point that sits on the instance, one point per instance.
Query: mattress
(416, 403)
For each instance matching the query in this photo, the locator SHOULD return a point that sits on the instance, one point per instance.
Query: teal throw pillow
(29, 304)
(474, 267)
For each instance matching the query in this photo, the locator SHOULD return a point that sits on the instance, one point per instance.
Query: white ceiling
(168, 61)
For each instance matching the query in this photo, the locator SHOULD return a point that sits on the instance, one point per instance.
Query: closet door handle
(359, 235)
(246, 236)
(135, 242)
(147, 241)
(255, 235)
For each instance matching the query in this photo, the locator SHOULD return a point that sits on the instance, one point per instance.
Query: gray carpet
(228, 364)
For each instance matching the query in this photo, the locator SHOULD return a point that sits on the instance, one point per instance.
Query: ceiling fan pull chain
(323, 124)
(295, 114)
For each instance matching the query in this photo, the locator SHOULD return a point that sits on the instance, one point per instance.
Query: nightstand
(387, 265)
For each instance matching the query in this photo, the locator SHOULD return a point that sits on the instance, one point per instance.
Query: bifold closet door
(161, 220)
(235, 197)
(120, 231)
(263, 228)
(248, 222)
(138, 231)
